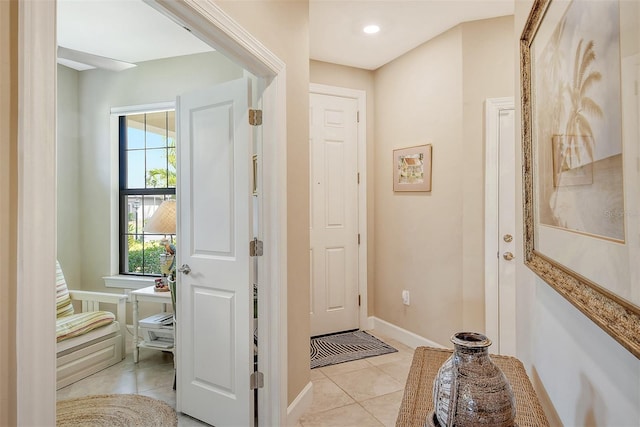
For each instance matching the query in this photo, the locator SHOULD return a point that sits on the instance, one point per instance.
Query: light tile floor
(365, 392)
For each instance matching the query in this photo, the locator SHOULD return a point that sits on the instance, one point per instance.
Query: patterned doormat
(344, 347)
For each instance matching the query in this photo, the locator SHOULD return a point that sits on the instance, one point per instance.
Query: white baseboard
(407, 338)
(300, 405)
(369, 325)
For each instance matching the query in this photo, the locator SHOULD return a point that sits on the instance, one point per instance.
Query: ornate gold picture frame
(581, 228)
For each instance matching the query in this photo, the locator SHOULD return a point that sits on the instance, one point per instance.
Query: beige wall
(283, 27)
(432, 244)
(419, 235)
(8, 209)
(356, 78)
(68, 177)
(582, 375)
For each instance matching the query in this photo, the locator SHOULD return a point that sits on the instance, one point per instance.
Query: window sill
(128, 282)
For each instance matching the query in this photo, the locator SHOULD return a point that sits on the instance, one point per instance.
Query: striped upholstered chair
(91, 339)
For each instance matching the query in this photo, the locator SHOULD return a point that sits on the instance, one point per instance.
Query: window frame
(123, 191)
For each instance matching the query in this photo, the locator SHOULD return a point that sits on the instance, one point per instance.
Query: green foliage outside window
(157, 178)
(151, 254)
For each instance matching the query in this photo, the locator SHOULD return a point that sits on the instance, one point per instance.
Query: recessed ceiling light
(371, 29)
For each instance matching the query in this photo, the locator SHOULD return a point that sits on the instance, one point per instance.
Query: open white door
(215, 299)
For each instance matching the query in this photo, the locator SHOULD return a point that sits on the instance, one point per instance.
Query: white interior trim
(212, 25)
(361, 97)
(407, 338)
(273, 329)
(493, 106)
(128, 281)
(36, 195)
(36, 235)
(300, 405)
(145, 108)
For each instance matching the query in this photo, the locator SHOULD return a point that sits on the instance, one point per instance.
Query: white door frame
(493, 309)
(36, 245)
(361, 97)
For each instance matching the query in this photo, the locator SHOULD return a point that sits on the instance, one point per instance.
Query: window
(147, 178)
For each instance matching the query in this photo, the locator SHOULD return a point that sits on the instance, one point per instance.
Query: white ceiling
(335, 27)
(126, 30)
(131, 31)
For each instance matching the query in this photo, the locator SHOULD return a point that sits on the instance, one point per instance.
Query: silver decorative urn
(470, 390)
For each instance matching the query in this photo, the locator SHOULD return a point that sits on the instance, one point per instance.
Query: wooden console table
(417, 401)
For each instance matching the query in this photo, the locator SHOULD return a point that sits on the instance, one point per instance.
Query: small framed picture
(412, 168)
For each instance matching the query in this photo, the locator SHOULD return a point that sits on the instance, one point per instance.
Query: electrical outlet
(406, 298)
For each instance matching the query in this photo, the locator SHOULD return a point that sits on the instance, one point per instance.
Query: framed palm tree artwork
(578, 119)
(580, 68)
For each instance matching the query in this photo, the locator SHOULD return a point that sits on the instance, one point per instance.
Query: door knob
(185, 269)
(508, 256)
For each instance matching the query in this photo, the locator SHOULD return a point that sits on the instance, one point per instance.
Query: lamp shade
(163, 220)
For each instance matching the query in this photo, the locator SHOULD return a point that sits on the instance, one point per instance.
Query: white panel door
(506, 234)
(215, 341)
(500, 238)
(333, 213)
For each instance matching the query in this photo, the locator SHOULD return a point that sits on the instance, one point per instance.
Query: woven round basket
(115, 410)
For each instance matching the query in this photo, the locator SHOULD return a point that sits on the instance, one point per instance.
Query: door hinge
(358, 177)
(255, 247)
(255, 117)
(256, 380)
(358, 117)
(359, 300)
(358, 238)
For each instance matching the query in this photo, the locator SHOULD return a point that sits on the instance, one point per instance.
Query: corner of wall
(300, 405)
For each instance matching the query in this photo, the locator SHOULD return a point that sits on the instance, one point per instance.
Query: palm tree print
(578, 130)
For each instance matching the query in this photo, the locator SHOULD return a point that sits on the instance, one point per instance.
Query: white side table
(150, 295)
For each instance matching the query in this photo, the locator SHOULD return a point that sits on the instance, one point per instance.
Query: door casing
(36, 244)
(361, 97)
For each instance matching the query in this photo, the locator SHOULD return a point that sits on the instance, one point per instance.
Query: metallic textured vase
(470, 390)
